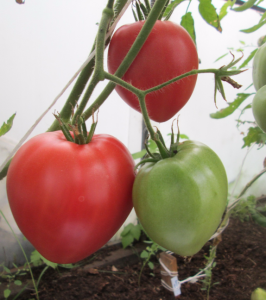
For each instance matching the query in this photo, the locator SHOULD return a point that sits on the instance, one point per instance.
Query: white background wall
(43, 43)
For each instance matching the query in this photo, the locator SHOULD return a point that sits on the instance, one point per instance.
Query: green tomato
(180, 200)
(258, 294)
(259, 108)
(259, 68)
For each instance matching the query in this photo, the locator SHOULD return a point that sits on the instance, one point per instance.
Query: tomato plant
(259, 108)
(168, 52)
(180, 200)
(259, 68)
(69, 199)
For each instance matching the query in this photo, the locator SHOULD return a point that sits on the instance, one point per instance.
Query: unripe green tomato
(258, 294)
(259, 108)
(180, 200)
(259, 68)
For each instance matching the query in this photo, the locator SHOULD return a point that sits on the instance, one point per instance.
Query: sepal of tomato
(168, 52)
(69, 199)
(180, 200)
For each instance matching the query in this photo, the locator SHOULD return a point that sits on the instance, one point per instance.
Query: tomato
(69, 199)
(180, 200)
(168, 52)
(259, 108)
(259, 68)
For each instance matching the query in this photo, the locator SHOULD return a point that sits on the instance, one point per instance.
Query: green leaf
(139, 154)
(170, 8)
(7, 293)
(254, 28)
(7, 126)
(209, 14)
(259, 218)
(17, 282)
(263, 17)
(127, 229)
(223, 10)
(241, 97)
(248, 4)
(152, 145)
(221, 56)
(255, 135)
(127, 240)
(6, 269)
(144, 254)
(187, 22)
(248, 59)
(37, 259)
(136, 232)
(151, 265)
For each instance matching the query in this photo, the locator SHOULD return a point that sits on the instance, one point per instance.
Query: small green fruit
(258, 294)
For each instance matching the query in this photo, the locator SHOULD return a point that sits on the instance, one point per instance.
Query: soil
(114, 273)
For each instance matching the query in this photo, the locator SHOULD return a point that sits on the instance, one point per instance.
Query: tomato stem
(98, 74)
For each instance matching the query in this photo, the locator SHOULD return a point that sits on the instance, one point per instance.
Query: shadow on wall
(10, 251)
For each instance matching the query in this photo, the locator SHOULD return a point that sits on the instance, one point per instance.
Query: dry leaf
(114, 269)
(93, 271)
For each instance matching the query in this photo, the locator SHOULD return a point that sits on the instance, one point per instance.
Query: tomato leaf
(127, 229)
(248, 4)
(151, 265)
(17, 282)
(255, 135)
(136, 231)
(223, 10)
(241, 97)
(248, 59)
(187, 22)
(139, 154)
(7, 293)
(221, 57)
(144, 254)
(254, 28)
(259, 218)
(209, 14)
(7, 126)
(170, 8)
(127, 240)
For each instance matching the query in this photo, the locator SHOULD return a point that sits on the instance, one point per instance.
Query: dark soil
(241, 267)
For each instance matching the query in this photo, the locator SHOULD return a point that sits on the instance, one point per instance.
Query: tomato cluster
(70, 199)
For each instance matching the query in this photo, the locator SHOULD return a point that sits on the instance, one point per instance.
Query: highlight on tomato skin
(67, 199)
(168, 52)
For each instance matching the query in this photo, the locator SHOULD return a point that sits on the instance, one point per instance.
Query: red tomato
(69, 199)
(168, 52)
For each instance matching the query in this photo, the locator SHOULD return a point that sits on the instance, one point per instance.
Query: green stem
(251, 182)
(139, 42)
(15, 236)
(98, 75)
(3, 172)
(77, 90)
(190, 73)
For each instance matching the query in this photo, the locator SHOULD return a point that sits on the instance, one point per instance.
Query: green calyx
(161, 152)
(79, 129)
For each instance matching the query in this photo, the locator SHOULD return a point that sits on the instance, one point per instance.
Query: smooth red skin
(168, 52)
(68, 199)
